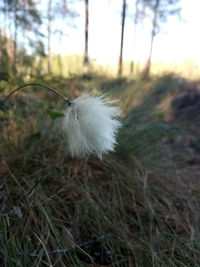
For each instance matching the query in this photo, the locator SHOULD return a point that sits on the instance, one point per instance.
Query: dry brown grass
(142, 205)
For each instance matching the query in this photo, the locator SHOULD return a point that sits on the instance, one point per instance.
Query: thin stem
(82, 247)
(35, 84)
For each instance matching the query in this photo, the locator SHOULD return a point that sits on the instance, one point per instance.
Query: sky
(177, 41)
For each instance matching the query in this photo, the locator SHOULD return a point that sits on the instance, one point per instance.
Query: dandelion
(91, 125)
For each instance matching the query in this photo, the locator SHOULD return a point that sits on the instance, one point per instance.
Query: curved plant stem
(35, 84)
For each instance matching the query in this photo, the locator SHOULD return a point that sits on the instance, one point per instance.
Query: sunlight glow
(177, 41)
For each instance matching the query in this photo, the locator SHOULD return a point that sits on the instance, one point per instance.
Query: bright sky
(177, 41)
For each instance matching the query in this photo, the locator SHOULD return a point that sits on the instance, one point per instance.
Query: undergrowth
(131, 209)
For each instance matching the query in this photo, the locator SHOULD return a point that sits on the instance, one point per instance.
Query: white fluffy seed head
(91, 125)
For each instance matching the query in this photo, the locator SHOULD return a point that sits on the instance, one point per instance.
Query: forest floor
(139, 206)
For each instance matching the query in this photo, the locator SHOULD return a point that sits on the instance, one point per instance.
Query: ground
(138, 206)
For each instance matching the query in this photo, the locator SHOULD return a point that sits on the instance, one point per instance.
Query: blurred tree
(23, 17)
(6, 53)
(136, 17)
(160, 10)
(86, 57)
(49, 31)
(120, 70)
(56, 10)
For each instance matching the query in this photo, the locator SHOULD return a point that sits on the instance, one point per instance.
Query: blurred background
(112, 37)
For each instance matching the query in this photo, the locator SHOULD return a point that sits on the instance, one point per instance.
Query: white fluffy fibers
(91, 126)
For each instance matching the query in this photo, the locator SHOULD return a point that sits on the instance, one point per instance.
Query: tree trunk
(49, 37)
(15, 40)
(60, 63)
(120, 70)
(153, 33)
(86, 58)
(134, 36)
(5, 26)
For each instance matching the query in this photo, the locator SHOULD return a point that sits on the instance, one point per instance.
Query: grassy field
(68, 66)
(137, 207)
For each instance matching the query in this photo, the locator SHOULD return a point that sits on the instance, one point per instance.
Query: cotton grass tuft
(91, 125)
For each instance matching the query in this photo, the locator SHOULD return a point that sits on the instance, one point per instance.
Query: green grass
(136, 198)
